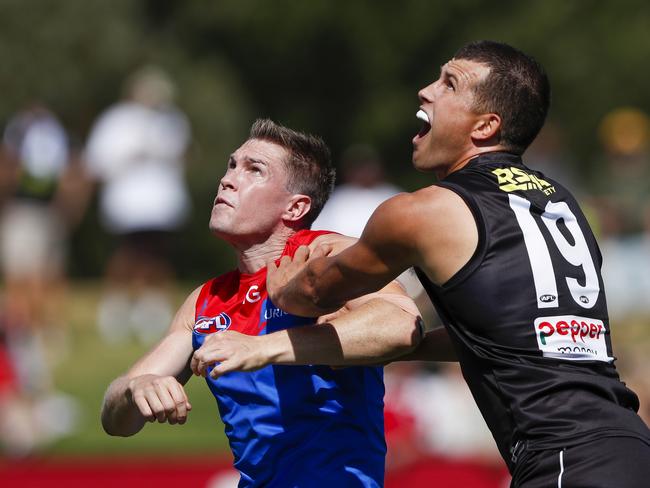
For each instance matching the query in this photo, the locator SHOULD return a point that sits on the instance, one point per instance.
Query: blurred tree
(349, 71)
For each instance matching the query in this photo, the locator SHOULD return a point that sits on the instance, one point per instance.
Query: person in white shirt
(136, 152)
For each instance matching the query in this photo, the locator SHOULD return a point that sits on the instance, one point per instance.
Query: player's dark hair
(516, 88)
(309, 165)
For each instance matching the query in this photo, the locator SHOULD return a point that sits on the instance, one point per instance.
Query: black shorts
(609, 462)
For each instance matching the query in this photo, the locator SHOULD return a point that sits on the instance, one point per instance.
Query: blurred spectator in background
(635, 367)
(622, 186)
(621, 198)
(43, 195)
(447, 419)
(548, 153)
(363, 188)
(136, 152)
(434, 430)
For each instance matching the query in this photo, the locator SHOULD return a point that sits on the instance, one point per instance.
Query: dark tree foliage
(346, 70)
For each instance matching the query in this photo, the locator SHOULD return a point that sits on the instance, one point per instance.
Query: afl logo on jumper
(209, 325)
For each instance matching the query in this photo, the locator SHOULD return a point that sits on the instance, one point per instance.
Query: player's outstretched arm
(371, 329)
(313, 284)
(382, 327)
(153, 388)
(432, 229)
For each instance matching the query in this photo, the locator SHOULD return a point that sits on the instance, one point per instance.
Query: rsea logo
(513, 179)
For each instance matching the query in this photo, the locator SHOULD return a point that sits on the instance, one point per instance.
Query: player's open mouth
(426, 126)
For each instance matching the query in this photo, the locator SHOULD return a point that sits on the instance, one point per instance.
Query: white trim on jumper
(559, 478)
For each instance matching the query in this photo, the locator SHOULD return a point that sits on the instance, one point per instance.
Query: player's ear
(486, 127)
(297, 208)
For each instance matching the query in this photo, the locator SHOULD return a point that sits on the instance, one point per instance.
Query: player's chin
(217, 226)
(421, 159)
(418, 160)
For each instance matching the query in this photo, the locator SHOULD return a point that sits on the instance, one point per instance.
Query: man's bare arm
(372, 331)
(153, 388)
(432, 229)
(312, 285)
(377, 331)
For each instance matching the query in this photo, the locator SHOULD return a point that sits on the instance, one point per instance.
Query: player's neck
(255, 256)
(462, 161)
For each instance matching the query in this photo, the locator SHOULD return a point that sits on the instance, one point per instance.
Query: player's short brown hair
(516, 88)
(309, 163)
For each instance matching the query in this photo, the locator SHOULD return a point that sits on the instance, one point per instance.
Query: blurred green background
(348, 71)
(91, 365)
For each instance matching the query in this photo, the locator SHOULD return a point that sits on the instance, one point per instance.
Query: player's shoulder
(438, 196)
(225, 283)
(331, 237)
(412, 209)
(193, 297)
(337, 241)
(184, 318)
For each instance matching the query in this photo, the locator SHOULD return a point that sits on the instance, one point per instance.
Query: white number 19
(540, 259)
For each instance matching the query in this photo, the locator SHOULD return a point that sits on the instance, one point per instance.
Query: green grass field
(90, 365)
